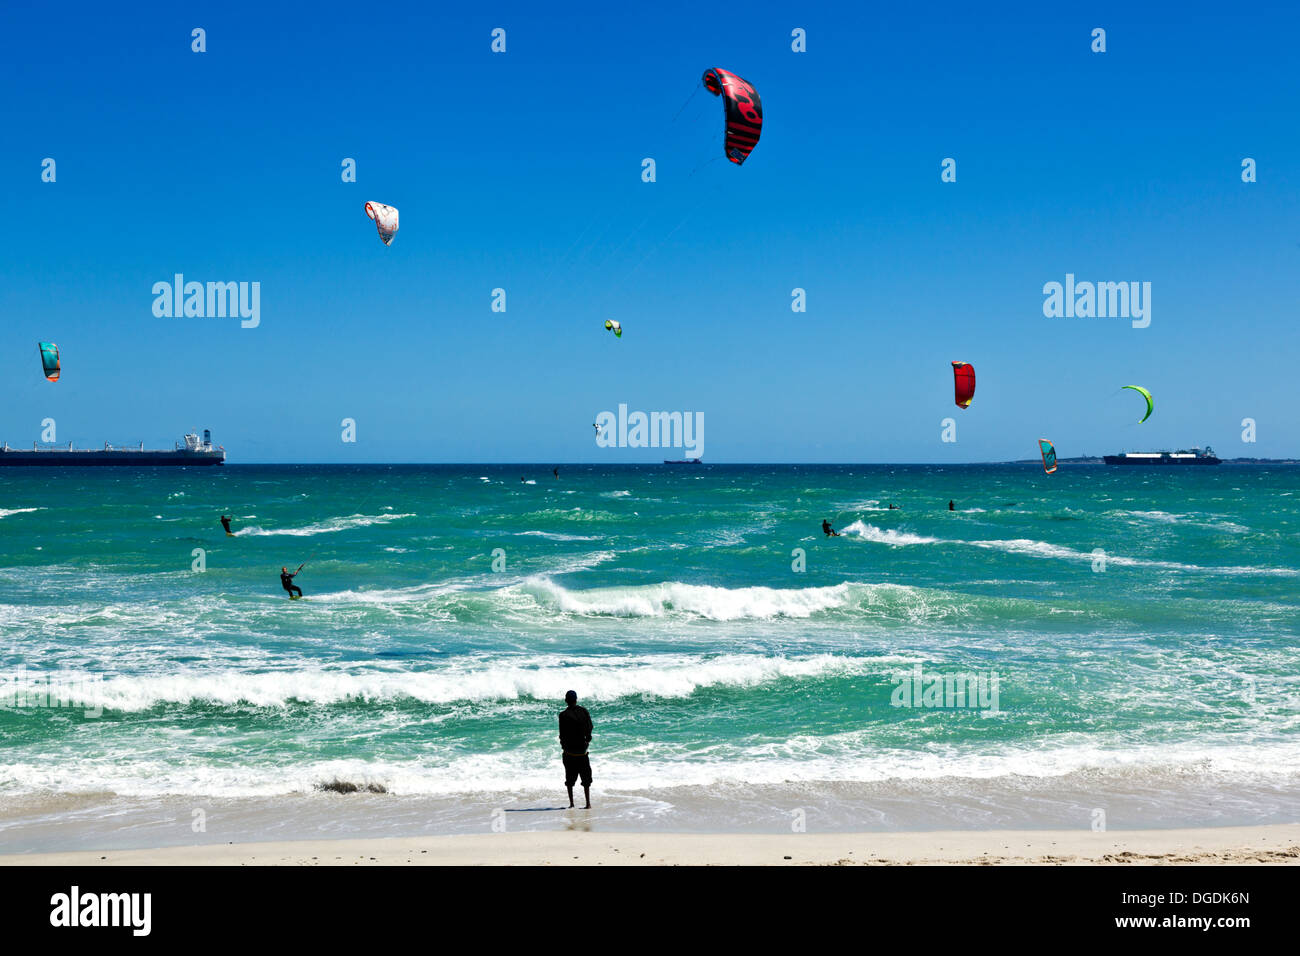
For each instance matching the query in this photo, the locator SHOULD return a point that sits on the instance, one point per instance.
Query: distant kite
(1150, 403)
(742, 109)
(385, 218)
(611, 325)
(50, 360)
(963, 376)
(1049, 455)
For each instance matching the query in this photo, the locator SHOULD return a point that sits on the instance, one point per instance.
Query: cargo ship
(1187, 456)
(684, 461)
(191, 452)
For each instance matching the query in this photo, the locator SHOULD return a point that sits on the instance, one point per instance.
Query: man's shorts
(575, 766)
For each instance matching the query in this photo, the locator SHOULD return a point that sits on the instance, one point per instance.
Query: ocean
(1128, 639)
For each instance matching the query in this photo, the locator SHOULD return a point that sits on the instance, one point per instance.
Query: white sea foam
(390, 596)
(6, 512)
(538, 678)
(557, 536)
(1046, 549)
(582, 562)
(889, 536)
(328, 526)
(1211, 522)
(713, 603)
(802, 760)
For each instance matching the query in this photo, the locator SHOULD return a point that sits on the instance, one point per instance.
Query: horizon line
(547, 463)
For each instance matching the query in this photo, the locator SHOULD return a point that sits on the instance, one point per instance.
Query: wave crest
(328, 526)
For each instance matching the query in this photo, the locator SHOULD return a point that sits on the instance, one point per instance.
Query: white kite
(385, 218)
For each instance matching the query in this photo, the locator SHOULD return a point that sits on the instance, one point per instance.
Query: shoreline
(1262, 845)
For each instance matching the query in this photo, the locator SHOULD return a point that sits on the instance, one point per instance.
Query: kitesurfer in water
(829, 531)
(225, 523)
(950, 507)
(893, 507)
(555, 472)
(286, 581)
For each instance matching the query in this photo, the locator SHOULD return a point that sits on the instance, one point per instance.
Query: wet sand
(1276, 844)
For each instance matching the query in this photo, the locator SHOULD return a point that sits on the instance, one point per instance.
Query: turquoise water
(1161, 682)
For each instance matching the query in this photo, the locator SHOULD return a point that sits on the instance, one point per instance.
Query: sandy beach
(1219, 845)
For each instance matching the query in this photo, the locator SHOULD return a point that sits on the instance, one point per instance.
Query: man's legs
(573, 768)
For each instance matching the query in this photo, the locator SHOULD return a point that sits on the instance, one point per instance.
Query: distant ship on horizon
(191, 452)
(1186, 456)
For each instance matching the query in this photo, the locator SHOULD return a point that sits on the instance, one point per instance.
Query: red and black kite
(743, 111)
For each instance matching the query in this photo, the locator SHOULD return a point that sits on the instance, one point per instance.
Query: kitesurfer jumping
(286, 581)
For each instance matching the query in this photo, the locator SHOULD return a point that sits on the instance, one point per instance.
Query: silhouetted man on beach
(575, 737)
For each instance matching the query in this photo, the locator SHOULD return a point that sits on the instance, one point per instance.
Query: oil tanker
(191, 452)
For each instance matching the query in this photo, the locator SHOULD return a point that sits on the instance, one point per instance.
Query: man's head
(571, 698)
(283, 570)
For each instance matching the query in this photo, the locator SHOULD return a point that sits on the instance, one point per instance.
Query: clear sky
(522, 171)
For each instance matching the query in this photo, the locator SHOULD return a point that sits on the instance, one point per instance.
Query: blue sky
(522, 171)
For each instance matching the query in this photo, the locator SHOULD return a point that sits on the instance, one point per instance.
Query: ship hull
(80, 459)
(1157, 462)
